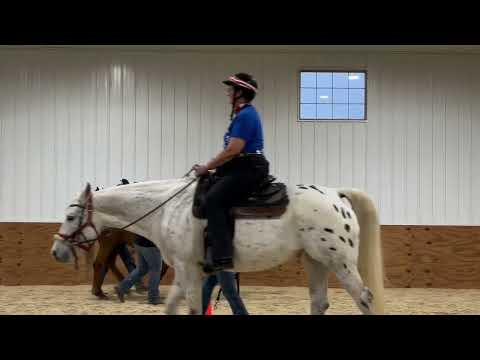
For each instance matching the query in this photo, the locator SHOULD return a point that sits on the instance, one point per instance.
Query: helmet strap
(234, 104)
(232, 113)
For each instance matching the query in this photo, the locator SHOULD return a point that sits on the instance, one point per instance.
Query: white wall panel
(71, 116)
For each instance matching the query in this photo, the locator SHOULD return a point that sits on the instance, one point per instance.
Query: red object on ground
(209, 310)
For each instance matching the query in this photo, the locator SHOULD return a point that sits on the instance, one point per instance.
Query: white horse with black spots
(337, 230)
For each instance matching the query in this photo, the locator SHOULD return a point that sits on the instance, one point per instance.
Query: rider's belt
(249, 155)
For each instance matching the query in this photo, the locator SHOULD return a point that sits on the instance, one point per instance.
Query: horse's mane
(148, 183)
(154, 186)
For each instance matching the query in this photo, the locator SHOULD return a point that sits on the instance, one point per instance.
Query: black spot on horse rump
(350, 242)
(315, 188)
(365, 304)
(345, 196)
(333, 249)
(328, 230)
(343, 239)
(347, 227)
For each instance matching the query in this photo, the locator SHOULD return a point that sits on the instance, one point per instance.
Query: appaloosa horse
(336, 230)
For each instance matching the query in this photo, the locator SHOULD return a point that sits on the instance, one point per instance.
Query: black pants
(237, 179)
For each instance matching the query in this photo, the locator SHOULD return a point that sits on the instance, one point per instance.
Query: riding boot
(208, 266)
(213, 264)
(208, 259)
(222, 251)
(218, 264)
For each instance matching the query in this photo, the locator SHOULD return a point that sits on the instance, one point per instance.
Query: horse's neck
(118, 207)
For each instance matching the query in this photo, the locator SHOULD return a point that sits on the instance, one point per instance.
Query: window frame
(331, 70)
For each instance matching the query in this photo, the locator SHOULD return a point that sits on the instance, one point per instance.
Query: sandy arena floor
(259, 301)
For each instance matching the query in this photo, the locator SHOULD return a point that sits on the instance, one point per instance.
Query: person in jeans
(229, 288)
(149, 261)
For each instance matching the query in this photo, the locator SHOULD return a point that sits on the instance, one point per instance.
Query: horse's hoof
(170, 310)
(102, 297)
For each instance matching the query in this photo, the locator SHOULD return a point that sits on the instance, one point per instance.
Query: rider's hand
(200, 170)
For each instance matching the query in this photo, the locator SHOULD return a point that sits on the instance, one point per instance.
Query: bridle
(84, 244)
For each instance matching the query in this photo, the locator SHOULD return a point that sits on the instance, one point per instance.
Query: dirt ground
(77, 300)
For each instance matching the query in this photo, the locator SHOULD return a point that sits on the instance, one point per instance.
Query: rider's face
(231, 94)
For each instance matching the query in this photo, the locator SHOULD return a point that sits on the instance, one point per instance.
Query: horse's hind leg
(114, 269)
(318, 285)
(350, 278)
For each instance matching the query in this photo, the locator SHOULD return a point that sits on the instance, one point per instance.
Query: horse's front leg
(193, 291)
(100, 267)
(175, 294)
(98, 276)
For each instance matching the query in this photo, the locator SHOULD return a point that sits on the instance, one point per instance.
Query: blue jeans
(228, 285)
(149, 261)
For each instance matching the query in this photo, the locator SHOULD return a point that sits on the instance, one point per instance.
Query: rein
(163, 203)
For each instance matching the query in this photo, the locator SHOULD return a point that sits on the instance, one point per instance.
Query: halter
(84, 244)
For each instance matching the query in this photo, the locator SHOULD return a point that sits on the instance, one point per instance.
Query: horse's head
(78, 229)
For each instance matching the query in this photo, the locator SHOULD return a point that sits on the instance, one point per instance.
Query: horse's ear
(86, 192)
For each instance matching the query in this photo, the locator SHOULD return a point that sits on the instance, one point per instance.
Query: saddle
(268, 201)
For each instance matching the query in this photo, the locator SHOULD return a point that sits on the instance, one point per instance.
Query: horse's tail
(370, 259)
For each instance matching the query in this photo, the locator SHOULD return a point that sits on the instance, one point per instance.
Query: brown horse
(107, 256)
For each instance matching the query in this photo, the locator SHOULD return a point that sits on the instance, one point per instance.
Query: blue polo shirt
(246, 125)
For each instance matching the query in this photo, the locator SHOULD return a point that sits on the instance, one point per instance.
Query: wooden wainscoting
(415, 256)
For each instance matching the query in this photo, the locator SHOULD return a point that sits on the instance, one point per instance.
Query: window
(333, 95)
